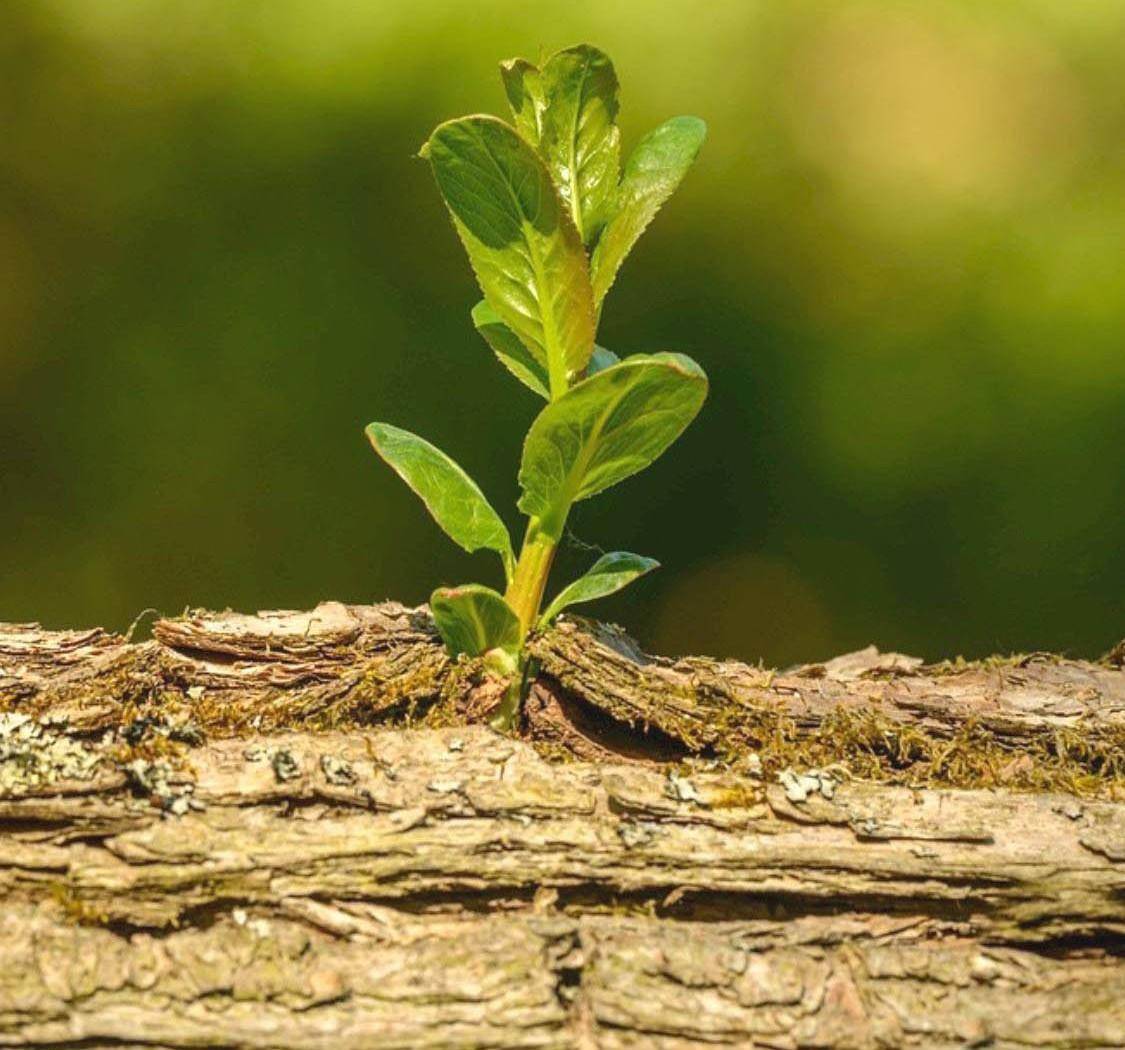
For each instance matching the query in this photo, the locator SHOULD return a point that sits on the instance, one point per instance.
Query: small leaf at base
(609, 574)
(474, 619)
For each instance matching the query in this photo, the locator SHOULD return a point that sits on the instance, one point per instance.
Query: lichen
(160, 782)
(33, 756)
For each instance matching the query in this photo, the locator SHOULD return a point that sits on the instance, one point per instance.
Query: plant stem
(505, 717)
(525, 595)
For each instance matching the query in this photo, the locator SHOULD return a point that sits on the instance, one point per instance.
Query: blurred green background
(900, 257)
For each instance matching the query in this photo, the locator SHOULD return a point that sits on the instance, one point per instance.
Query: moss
(153, 747)
(739, 796)
(469, 694)
(998, 662)
(74, 909)
(408, 690)
(421, 687)
(129, 680)
(552, 750)
(1083, 759)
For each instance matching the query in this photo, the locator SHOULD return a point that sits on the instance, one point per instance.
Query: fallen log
(290, 830)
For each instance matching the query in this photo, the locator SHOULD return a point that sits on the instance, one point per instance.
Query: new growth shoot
(547, 216)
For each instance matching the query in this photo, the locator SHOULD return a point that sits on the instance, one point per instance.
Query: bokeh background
(901, 259)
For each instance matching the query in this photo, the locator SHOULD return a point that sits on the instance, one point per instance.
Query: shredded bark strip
(1037, 722)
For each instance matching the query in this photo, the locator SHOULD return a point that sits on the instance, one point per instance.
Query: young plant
(547, 217)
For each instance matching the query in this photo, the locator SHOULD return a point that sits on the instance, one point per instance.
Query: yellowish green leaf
(655, 168)
(523, 246)
(604, 429)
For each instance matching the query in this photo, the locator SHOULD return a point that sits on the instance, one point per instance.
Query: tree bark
(228, 836)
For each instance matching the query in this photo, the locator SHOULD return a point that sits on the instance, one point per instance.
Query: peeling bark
(697, 701)
(182, 867)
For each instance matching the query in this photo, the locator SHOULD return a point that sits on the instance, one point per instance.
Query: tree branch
(172, 876)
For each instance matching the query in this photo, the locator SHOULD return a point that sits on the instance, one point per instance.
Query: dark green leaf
(655, 169)
(473, 619)
(450, 495)
(604, 429)
(513, 355)
(524, 249)
(523, 86)
(609, 574)
(579, 136)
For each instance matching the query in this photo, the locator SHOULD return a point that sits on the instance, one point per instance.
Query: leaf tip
(686, 366)
(693, 123)
(698, 129)
(482, 314)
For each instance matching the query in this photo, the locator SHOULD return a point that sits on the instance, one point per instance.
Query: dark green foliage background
(899, 257)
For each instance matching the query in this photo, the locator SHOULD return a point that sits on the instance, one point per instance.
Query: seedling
(547, 217)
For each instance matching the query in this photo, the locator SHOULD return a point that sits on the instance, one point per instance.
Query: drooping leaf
(579, 136)
(609, 574)
(655, 168)
(513, 355)
(450, 495)
(604, 429)
(600, 360)
(523, 86)
(524, 249)
(473, 619)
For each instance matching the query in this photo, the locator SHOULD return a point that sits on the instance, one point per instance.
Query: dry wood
(180, 866)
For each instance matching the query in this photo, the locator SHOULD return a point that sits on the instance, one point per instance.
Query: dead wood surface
(226, 837)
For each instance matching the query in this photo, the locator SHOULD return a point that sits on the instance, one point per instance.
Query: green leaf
(600, 360)
(609, 574)
(604, 429)
(579, 136)
(473, 619)
(523, 86)
(655, 169)
(514, 356)
(524, 249)
(450, 495)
